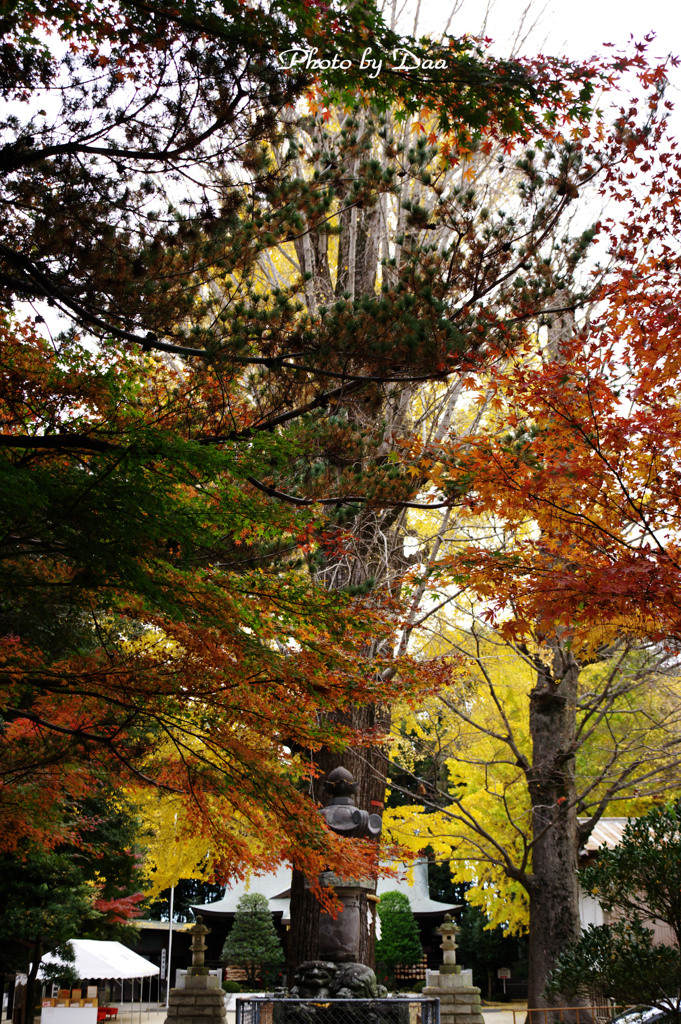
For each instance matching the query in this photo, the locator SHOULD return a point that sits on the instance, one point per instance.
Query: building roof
(276, 886)
(606, 832)
(412, 880)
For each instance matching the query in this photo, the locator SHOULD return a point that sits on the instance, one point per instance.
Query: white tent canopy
(98, 959)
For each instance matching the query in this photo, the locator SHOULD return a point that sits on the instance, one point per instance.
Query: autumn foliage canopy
(158, 626)
(582, 471)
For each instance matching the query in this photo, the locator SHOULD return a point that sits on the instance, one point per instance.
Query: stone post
(339, 938)
(459, 998)
(201, 1001)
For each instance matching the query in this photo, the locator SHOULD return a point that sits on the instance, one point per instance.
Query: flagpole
(170, 942)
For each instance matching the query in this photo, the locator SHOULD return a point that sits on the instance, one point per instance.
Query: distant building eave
(276, 886)
(606, 832)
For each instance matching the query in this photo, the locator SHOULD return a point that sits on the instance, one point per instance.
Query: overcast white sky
(576, 28)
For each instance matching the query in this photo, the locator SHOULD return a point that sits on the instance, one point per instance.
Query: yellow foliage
(172, 853)
(488, 823)
(477, 730)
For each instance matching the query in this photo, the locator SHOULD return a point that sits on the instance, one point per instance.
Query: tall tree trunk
(554, 891)
(31, 978)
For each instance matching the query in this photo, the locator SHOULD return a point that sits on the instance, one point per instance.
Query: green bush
(253, 943)
(399, 942)
(230, 986)
(619, 961)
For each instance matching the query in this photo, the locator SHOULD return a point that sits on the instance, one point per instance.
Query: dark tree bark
(553, 886)
(31, 979)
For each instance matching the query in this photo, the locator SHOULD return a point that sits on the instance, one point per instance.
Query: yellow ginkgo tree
(463, 759)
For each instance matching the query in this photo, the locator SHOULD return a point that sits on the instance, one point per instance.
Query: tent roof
(98, 959)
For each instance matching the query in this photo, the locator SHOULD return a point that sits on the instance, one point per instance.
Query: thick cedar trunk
(554, 901)
(367, 765)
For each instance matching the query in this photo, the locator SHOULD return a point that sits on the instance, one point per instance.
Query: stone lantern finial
(341, 814)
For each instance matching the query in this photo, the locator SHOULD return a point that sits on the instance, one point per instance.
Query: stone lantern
(339, 974)
(448, 930)
(201, 1001)
(459, 998)
(339, 938)
(198, 947)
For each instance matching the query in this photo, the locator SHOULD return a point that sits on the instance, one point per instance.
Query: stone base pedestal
(459, 1000)
(201, 1001)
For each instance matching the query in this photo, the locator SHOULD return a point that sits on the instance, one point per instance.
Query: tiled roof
(607, 832)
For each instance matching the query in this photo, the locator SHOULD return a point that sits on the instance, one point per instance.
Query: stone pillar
(459, 998)
(339, 937)
(201, 1001)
